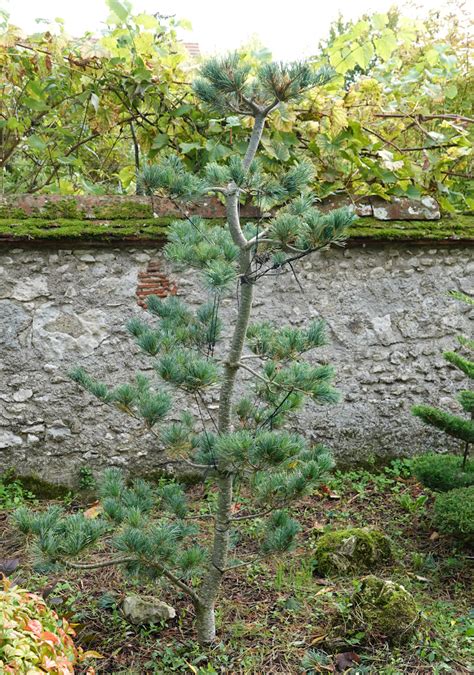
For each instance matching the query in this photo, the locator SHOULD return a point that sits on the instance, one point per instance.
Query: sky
(291, 30)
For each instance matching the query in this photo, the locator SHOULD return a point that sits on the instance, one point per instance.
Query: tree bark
(205, 620)
(205, 614)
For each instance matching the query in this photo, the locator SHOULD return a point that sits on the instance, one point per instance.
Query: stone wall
(386, 307)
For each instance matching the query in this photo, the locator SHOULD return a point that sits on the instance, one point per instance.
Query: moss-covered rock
(63, 219)
(351, 550)
(384, 610)
(42, 489)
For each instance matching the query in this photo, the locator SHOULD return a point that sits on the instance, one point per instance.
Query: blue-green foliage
(288, 342)
(226, 86)
(58, 536)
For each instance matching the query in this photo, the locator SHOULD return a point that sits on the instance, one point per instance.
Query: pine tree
(458, 427)
(245, 443)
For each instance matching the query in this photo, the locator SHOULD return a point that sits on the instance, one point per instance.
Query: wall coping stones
(129, 219)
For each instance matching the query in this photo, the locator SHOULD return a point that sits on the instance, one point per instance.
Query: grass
(276, 616)
(122, 227)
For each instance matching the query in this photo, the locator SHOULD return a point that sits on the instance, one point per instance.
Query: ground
(278, 617)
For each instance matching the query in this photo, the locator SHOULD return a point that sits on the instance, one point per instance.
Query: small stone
(57, 433)
(377, 272)
(30, 288)
(141, 257)
(87, 258)
(22, 395)
(13, 321)
(35, 429)
(7, 439)
(146, 609)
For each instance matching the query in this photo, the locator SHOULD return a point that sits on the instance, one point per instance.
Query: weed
(12, 492)
(86, 478)
(413, 505)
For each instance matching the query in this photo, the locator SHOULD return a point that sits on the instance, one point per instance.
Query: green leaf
(35, 104)
(146, 20)
(13, 123)
(363, 55)
(160, 141)
(379, 21)
(386, 44)
(186, 148)
(121, 10)
(185, 24)
(36, 142)
(451, 91)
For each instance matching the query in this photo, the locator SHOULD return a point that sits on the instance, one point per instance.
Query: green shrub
(454, 513)
(443, 472)
(33, 638)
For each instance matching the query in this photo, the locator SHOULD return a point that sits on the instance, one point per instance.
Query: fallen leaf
(319, 638)
(322, 582)
(91, 654)
(434, 536)
(55, 601)
(93, 511)
(325, 489)
(9, 565)
(321, 591)
(345, 660)
(424, 579)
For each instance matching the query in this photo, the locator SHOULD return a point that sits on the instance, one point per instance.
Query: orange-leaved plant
(33, 638)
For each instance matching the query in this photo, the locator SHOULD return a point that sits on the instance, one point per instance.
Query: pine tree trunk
(205, 621)
(205, 615)
(205, 624)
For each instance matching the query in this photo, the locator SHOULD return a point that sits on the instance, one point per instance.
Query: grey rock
(30, 288)
(13, 321)
(146, 609)
(57, 434)
(22, 395)
(9, 439)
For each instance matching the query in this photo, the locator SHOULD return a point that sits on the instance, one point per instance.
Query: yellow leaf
(338, 118)
(91, 654)
(93, 511)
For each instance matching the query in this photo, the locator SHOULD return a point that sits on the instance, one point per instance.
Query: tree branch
(124, 561)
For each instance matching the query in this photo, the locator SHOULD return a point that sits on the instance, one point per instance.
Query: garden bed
(277, 616)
